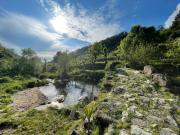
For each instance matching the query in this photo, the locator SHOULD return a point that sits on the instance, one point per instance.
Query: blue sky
(48, 26)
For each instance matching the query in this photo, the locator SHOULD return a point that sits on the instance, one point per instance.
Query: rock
(60, 98)
(29, 98)
(88, 124)
(41, 108)
(103, 118)
(138, 114)
(161, 101)
(171, 121)
(156, 113)
(110, 130)
(139, 122)
(124, 116)
(145, 100)
(131, 99)
(123, 132)
(74, 132)
(81, 98)
(56, 105)
(1, 111)
(153, 119)
(167, 131)
(148, 70)
(74, 115)
(160, 79)
(118, 90)
(132, 109)
(135, 130)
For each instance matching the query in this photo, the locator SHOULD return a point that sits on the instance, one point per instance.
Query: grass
(10, 85)
(46, 122)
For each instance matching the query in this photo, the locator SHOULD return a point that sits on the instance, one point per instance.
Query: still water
(72, 92)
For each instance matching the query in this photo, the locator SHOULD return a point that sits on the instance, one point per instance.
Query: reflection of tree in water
(92, 93)
(61, 88)
(83, 88)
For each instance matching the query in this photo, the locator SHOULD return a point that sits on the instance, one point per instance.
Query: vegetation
(108, 63)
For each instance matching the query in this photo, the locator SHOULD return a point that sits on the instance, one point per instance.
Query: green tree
(62, 60)
(28, 64)
(95, 51)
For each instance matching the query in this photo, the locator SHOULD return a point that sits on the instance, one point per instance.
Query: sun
(60, 24)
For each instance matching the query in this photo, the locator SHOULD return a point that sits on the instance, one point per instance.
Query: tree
(173, 52)
(139, 46)
(175, 28)
(94, 51)
(28, 64)
(62, 60)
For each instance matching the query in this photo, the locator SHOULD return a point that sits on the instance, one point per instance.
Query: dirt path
(29, 98)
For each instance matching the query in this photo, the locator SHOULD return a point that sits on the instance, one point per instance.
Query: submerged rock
(60, 98)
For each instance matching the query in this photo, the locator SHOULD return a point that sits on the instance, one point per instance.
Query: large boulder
(29, 98)
(160, 79)
(135, 130)
(148, 70)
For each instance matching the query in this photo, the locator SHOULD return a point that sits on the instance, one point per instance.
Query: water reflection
(73, 91)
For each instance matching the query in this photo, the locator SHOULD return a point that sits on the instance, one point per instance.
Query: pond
(73, 91)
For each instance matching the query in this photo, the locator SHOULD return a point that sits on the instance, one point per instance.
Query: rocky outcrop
(135, 101)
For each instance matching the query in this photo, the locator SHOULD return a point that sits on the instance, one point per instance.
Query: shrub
(5, 79)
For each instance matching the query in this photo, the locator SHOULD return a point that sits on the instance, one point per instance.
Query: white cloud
(171, 18)
(81, 24)
(18, 24)
(48, 55)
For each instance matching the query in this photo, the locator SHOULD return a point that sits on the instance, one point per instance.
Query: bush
(5, 79)
(110, 66)
(93, 76)
(48, 75)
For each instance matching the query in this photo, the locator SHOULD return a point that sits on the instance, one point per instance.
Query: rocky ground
(130, 102)
(137, 104)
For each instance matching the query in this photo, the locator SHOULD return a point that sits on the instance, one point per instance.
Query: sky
(48, 26)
